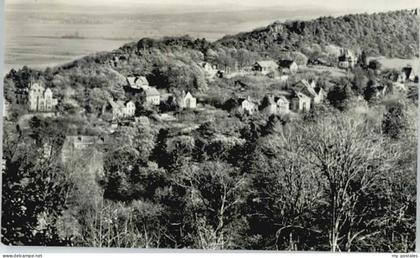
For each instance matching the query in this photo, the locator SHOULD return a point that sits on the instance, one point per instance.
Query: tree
(374, 65)
(214, 193)
(394, 121)
(283, 194)
(33, 194)
(341, 95)
(350, 160)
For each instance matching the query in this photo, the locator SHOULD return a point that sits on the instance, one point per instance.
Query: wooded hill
(392, 34)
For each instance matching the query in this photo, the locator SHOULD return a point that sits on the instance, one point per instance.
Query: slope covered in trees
(392, 34)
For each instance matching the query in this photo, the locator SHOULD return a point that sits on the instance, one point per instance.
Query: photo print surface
(226, 125)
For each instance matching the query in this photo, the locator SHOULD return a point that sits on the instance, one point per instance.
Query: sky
(367, 5)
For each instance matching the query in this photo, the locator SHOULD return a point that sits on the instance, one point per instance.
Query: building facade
(40, 99)
(188, 101)
(265, 67)
(300, 102)
(248, 106)
(151, 96)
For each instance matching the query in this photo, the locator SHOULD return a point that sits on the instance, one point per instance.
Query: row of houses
(140, 84)
(152, 97)
(263, 67)
(268, 66)
(301, 99)
(346, 59)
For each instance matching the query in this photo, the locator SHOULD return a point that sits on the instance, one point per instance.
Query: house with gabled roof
(129, 109)
(316, 93)
(275, 105)
(268, 105)
(40, 99)
(407, 74)
(137, 82)
(151, 96)
(120, 109)
(300, 102)
(282, 104)
(209, 70)
(248, 105)
(346, 59)
(187, 101)
(265, 67)
(288, 66)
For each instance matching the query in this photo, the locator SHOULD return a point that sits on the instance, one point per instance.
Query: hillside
(391, 34)
(171, 63)
(186, 143)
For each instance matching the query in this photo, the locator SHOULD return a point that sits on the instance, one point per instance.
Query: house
(268, 105)
(248, 106)
(288, 67)
(300, 102)
(137, 82)
(120, 109)
(283, 105)
(209, 69)
(220, 74)
(265, 67)
(346, 59)
(407, 74)
(40, 99)
(381, 91)
(187, 101)
(129, 109)
(316, 93)
(319, 61)
(398, 87)
(21, 96)
(276, 105)
(143, 120)
(5, 107)
(151, 96)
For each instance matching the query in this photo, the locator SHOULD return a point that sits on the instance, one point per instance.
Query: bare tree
(350, 159)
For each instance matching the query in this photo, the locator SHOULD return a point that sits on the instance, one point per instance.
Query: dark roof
(407, 70)
(286, 63)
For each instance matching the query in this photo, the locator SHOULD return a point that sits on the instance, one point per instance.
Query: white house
(283, 105)
(300, 102)
(407, 74)
(248, 106)
(41, 99)
(316, 93)
(137, 82)
(129, 109)
(152, 95)
(209, 69)
(265, 67)
(188, 101)
(346, 59)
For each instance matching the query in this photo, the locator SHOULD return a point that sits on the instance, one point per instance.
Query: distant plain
(40, 35)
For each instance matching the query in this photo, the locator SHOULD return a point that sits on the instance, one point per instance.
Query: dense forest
(341, 177)
(392, 34)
